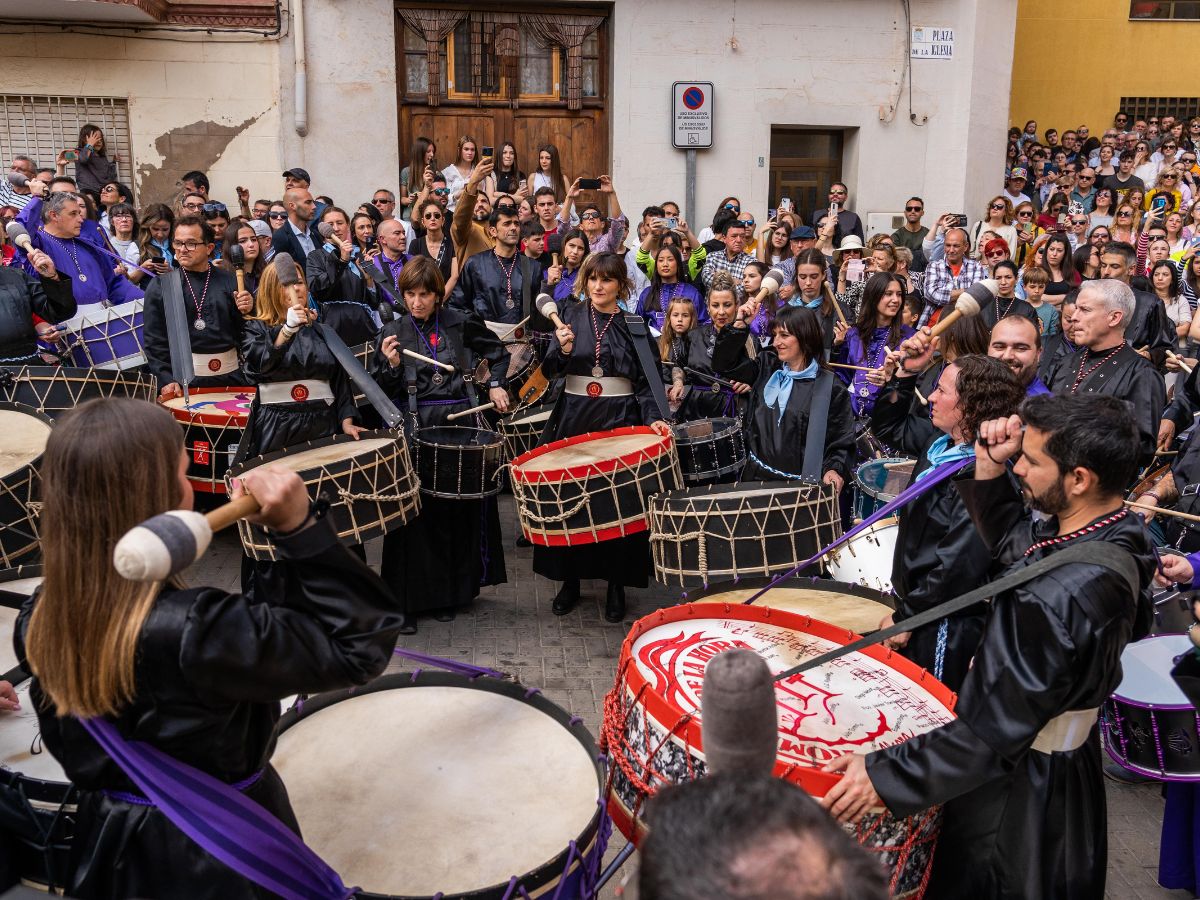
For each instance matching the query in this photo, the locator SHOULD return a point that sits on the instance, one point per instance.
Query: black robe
(485, 290)
(991, 313)
(22, 297)
(1054, 348)
(347, 304)
(454, 547)
(701, 401)
(779, 442)
(1019, 823)
(1151, 327)
(939, 554)
(222, 332)
(624, 561)
(211, 669)
(1128, 376)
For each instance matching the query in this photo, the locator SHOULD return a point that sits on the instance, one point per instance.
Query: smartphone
(1158, 204)
(785, 203)
(489, 151)
(670, 223)
(960, 220)
(833, 210)
(772, 214)
(71, 155)
(589, 184)
(856, 270)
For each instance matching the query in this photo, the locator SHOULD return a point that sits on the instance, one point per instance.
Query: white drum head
(21, 743)
(322, 456)
(536, 417)
(1146, 670)
(858, 614)
(601, 449)
(434, 788)
(867, 559)
(22, 440)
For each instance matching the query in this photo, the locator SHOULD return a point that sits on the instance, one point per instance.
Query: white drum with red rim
(214, 423)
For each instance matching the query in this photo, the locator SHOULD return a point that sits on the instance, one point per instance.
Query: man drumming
(1018, 771)
(212, 306)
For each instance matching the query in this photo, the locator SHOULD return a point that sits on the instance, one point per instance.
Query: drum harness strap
(814, 443)
(637, 331)
(354, 368)
(179, 339)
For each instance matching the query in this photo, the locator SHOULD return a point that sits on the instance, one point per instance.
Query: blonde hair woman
(997, 218)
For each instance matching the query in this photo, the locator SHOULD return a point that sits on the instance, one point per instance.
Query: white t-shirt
(456, 182)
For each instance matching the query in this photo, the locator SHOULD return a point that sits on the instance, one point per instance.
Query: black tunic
(1019, 823)
(1151, 327)
(211, 669)
(485, 289)
(626, 560)
(1126, 375)
(779, 442)
(21, 297)
(222, 331)
(701, 401)
(347, 304)
(1054, 348)
(445, 254)
(991, 313)
(939, 554)
(454, 547)
(306, 356)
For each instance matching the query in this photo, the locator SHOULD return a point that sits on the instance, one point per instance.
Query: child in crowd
(1033, 281)
(679, 319)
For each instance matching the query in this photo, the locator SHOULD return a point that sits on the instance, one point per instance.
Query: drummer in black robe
(197, 672)
(502, 284)
(939, 554)
(1176, 485)
(705, 398)
(1018, 770)
(1107, 363)
(785, 379)
(212, 306)
(347, 301)
(48, 296)
(439, 561)
(595, 343)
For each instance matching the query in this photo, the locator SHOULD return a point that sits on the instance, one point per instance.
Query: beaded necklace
(1086, 529)
(1081, 375)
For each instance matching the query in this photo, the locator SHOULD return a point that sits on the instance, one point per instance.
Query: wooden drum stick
(426, 359)
(470, 412)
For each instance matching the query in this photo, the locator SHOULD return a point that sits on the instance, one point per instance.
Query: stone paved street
(573, 660)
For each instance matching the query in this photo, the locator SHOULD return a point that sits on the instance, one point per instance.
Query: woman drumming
(813, 292)
(594, 338)
(785, 377)
(877, 330)
(701, 401)
(348, 302)
(439, 561)
(195, 672)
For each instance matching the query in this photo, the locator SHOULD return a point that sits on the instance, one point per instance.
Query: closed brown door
(804, 163)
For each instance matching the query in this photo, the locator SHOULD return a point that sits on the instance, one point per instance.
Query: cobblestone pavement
(573, 660)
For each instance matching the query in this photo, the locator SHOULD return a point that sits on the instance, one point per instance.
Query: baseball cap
(260, 228)
(299, 174)
(802, 233)
(1018, 174)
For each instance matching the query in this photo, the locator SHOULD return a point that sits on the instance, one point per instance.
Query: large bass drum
(23, 435)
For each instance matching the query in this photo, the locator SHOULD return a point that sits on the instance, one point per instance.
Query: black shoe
(408, 624)
(523, 541)
(444, 615)
(566, 598)
(614, 603)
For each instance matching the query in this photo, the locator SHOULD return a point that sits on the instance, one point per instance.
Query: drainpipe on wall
(301, 93)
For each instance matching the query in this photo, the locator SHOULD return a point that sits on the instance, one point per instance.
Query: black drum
(52, 390)
(710, 449)
(459, 463)
(23, 435)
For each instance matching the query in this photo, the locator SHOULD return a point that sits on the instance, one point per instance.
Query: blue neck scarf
(779, 386)
(941, 452)
(811, 304)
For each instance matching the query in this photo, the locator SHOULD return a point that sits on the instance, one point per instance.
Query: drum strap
(354, 368)
(179, 337)
(1097, 553)
(818, 425)
(526, 288)
(637, 331)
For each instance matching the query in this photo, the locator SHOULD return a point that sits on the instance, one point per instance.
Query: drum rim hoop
(497, 444)
(75, 324)
(630, 680)
(804, 582)
(662, 445)
(574, 725)
(276, 455)
(729, 427)
(184, 417)
(706, 491)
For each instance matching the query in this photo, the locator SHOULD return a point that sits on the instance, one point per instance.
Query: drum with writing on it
(850, 606)
(213, 422)
(864, 701)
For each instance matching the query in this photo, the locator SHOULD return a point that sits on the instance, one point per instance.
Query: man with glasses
(847, 222)
(1084, 192)
(384, 201)
(210, 306)
(1078, 228)
(949, 276)
(192, 204)
(298, 236)
(20, 184)
(261, 210)
(1123, 179)
(912, 233)
(1121, 121)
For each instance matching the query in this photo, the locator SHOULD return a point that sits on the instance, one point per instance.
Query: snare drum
(521, 361)
(213, 426)
(23, 435)
(457, 462)
(593, 487)
(709, 449)
(499, 794)
(55, 389)
(706, 534)
(36, 799)
(106, 337)
(523, 430)
(879, 481)
(16, 586)
(866, 559)
(1150, 727)
(864, 701)
(848, 606)
(369, 483)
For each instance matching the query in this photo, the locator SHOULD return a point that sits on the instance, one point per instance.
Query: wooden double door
(804, 164)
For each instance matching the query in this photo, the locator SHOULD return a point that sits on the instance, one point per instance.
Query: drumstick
(548, 308)
(554, 256)
(713, 378)
(967, 304)
(471, 411)
(514, 328)
(241, 279)
(1166, 512)
(169, 543)
(1179, 359)
(426, 359)
(921, 397)
(848, 366)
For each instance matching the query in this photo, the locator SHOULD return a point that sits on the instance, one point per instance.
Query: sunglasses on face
(997, 206)
(733, 206)
(1079, 221)
(913, 209)
(1124, 214)
(590, 215)
(441, 191)
(1057, 209)
(380, 201)
(996, 254)
(277, 215)
(432, 216)
(748, 223)
(1025, 213)
(837, 193)
(1170, 177)
(1086, 177)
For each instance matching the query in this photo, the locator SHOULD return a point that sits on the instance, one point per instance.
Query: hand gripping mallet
(168, 543)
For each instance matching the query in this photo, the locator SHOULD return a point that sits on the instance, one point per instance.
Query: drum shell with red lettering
(211, 434)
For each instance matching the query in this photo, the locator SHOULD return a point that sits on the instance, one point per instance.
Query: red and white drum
(594, 487)
(864, 701)
(213, 425)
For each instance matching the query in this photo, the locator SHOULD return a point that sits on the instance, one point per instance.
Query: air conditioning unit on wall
(884, 222)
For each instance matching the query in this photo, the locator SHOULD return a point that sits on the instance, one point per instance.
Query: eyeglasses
(590, 214)
(116, 216)
(277, 215)
(431, 216)
(188, 246)
(914, 209)
(1079, 221)
(441, 191)
(194, 207)
(381, 201)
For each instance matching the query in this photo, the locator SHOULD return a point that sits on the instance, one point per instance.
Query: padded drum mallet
(168, 543)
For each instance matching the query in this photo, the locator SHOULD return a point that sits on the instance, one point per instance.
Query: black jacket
(21, 297)
(347, 304)
(222, 319)
(284, 240)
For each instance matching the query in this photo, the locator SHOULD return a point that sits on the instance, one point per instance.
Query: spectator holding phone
(421, 158)
(460, 170)
(124, 228)
(998, 219)
(154, 238)
(507, 177)
(604, 235)
(848, 223)
(1166, 185)
(93, 167)
(951, 272)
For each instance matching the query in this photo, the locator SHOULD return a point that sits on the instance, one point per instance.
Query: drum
(369, 483)
(1172, 607)
(365, 353)
(522, 430)
(106, 337)
(459, 463)
(499, 794)
(23, 435)
(55, 389)
(521, 361)
(1150, 727)
(866, 558)
(593, 487)
(709, 449)
(36, 799)
(865, 701)
(213, 426)
(707, 534)
(16, 586)
(849, 606)
(878, 481)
